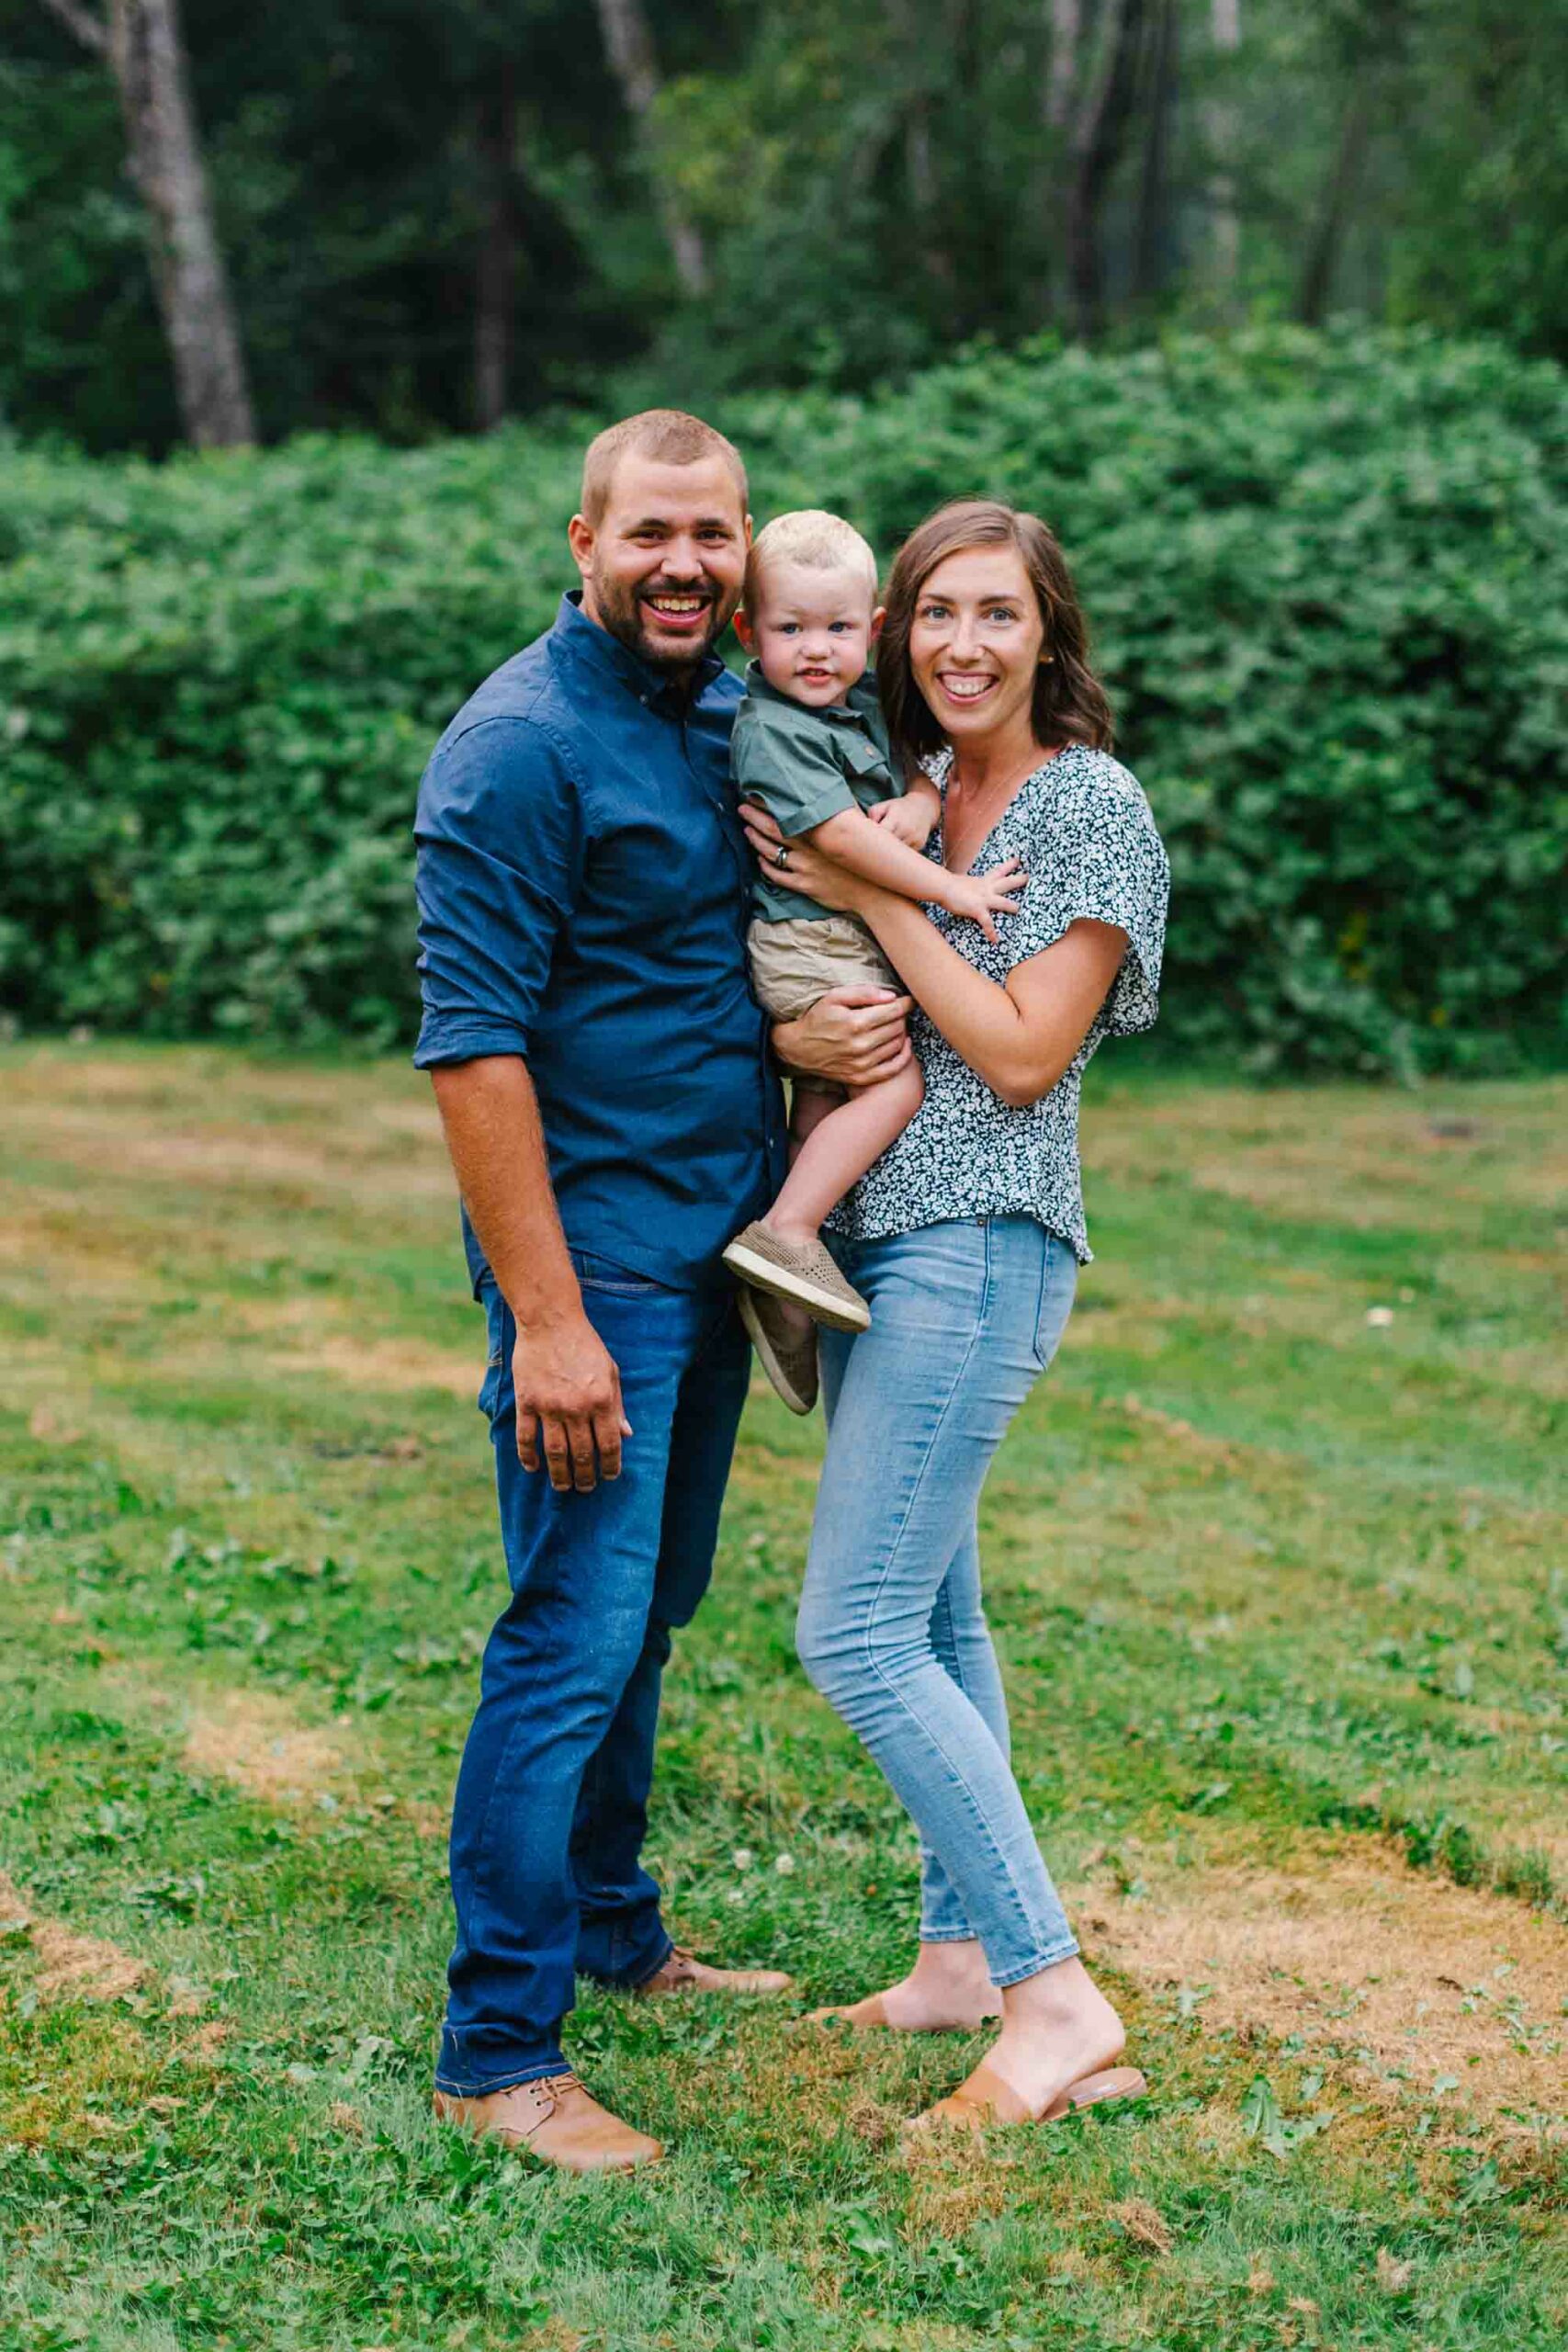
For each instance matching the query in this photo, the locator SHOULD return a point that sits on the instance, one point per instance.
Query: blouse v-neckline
(1005, 811)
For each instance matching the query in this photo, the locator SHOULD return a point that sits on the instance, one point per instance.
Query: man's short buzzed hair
(811, 537)
(667, 435)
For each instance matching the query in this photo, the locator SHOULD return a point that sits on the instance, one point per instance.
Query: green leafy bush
(1329, 577)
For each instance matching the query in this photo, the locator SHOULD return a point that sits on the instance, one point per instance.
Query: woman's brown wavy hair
(1069, 701)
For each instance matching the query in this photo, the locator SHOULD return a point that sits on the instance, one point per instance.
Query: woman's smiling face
(975, 642)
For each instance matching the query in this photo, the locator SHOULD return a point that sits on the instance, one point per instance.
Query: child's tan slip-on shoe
(788, 1359)
(802, 1270)
(552, 2118)
(984, 2098)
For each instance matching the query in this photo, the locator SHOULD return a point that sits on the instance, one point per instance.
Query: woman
(965, 1238)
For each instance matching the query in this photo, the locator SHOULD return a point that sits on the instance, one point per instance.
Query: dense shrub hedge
(1329, 582)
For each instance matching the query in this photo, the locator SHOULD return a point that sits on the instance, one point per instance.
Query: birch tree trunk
(495, 272)
(142, 42)
(1345, 172)
(1059, 93)
(1226, 28)
(628, 45)
(1062, 63)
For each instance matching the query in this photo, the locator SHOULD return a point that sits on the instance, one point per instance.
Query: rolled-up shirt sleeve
(1100, 855)
(500, 835)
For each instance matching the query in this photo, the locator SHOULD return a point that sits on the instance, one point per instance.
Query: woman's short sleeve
(1095, 851)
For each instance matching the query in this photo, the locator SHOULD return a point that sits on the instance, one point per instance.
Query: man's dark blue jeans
(552, 1796)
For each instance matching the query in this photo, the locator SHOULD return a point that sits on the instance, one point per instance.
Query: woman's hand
(803, 868)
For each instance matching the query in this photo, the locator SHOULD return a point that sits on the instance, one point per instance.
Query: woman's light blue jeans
(892, 1632)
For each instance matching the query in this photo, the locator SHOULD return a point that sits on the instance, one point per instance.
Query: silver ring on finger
(782, 860)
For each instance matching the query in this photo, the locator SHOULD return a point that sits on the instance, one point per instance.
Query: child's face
(812, 631)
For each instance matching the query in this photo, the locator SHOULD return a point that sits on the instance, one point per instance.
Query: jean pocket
(603, 1275)
(500, 1333)
(1058, 1283)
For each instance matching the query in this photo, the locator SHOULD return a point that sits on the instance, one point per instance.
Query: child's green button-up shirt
(806, 765)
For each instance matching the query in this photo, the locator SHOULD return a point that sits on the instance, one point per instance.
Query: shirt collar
(587, 642)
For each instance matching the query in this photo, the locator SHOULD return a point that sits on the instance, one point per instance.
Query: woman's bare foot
(946, 1990)
(1056, 2028)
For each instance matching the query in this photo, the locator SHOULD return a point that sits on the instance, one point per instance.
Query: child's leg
(840, 1147)
(809, 1104)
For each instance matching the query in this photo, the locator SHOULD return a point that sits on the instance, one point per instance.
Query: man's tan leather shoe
(554, 2119)
(683, 1973)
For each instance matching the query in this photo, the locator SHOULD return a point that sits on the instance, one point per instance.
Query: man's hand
(854, 1036)
(568, 1403)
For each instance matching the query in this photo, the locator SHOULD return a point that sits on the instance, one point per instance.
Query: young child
(810, 746)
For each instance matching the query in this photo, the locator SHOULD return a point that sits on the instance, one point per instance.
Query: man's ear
(580, 538)
(743, 629)
(876, 620)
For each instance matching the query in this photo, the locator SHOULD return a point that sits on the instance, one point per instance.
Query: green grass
(1278, 1595)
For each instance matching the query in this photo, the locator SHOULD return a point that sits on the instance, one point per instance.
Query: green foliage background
(1327, 576)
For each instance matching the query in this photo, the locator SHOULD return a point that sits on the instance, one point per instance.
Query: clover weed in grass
(1273, 1593)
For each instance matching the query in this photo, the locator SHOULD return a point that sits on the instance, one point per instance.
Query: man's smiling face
(663, 567)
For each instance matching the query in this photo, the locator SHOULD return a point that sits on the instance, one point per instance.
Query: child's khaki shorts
(794, 963)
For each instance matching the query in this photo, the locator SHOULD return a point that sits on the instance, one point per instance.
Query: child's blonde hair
(820, 541)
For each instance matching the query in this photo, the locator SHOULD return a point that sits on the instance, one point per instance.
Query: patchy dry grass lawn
(1276, 1560)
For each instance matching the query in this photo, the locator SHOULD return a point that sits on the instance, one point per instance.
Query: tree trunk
(1349, 155)
(495, 274)
(1152, 238)
(1058, 92)
(1062, 65)
(1102, 137)
(628, 44)
(922, 183)
(141, 40)
(148, 56)
(1225, 26)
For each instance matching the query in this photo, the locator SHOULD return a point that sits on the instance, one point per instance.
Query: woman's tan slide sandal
(984, 2098)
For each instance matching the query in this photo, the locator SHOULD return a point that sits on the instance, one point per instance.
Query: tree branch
(81, 23)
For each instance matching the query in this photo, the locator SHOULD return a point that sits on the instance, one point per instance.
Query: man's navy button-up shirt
(583, 885)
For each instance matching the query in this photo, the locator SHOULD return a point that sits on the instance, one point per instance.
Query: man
(613, 1115)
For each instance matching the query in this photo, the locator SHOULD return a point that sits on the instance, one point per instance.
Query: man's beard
(621, 610)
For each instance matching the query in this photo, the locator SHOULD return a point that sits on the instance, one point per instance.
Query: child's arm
(869, 850)
(913, 817)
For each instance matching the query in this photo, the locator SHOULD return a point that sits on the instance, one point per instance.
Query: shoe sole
(822, 1306)
(782, 1386)
(519, 2143)
(1096, 2090)
(1101, 2088)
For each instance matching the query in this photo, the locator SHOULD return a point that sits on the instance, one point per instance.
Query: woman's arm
(1020, 1038)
